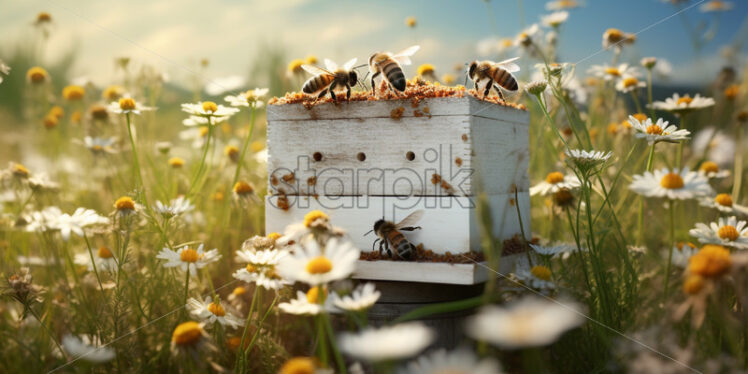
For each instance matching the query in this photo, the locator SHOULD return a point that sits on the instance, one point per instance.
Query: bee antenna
(363, 79)
(369, 232)
(359, 66)
(466, 75)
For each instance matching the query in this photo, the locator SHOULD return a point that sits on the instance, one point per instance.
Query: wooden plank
(429, 272)
(445, 146)
(443, 106)
(448, 225)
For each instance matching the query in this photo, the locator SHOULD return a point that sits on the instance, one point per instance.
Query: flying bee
(390, 65)
(327, 80)
(497, 75)
(392, 239)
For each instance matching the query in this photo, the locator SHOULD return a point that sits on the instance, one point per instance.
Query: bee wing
(509, 65)
(411, 219)
(404, 56)
(315, 70)
(348, 65)
(331, 65)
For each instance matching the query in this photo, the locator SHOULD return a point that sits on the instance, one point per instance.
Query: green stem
(636, 102)
(240, 358)
(640, 217)
(335, 351)
(202, 159)
(141, 186)
(240, 162)
(738, 173)
(186, 289)
(670, 249)
(321, 346)
(93, 262)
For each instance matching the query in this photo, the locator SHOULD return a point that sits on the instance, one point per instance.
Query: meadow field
(132, 213)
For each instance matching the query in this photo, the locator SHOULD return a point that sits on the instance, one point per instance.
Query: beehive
(360, 161)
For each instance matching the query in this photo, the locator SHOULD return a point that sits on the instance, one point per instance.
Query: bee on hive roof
(390, 65)
(392, 240)
(496, 75)
(327, 80)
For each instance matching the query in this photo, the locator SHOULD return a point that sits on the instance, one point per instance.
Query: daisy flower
(43, 220)
(190, 338)
(193, 121)
(41, 181)
(537, 277)
(710, 169)
(552, 250)
(313, 265)
(562, 4)
(85, 349)
(176, 207)
(613, 73)
(673, 184)
(715, 6)
(99, 145)
(629, 83)
(362, 298)
(210, 311)
(529, 322)
(723, 202)
(525, 38)
(248, 98)
(127, 105)
(681, 253)
(103, 259)
(310, 303)
(261, 268)
(457, 361)
(77, 222)
(387, 343)
(728, 232)
(186, 256)
(658, 132)
(555, 182)
(209, 110)
(719, 147)
(684, 104)
(616, 38)
(587, 160)
(554, 19)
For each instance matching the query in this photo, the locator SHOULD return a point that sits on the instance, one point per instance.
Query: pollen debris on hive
(311, 181)
(397, 113)
(289, 178)
(427, 255)
(458, 161)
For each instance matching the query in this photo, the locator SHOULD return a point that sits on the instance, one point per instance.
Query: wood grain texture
(429, 272)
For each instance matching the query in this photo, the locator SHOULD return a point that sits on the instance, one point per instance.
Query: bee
(497, 75)
(390, 65)
(327, 80)
(391, 238)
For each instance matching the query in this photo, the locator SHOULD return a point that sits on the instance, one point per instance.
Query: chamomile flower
(658, 132)
(127, 105)
(313, 265)
(193, 121)
(77, 222)
(682, 251)
(86, 349)
(457, 361)
(552, 250)
(673, 184)
(529, 322)
(387, 343)
(99, 145)
(209, 109)
(190, 338)
(554, 19)
(715, 6)
(248, 98)
(310, 303)
(176, 207)
(723, 202)
(555, 182)
(527, 36)
(586, 161)
(103, 258)
(362, 298)
(261, 268)
(42, 182)
(210, 311)
(562, 4)
(617, 38)
(710, 169)
(629, 83)
(186, 256)
(683, 104)
(613, 73)
(538, 277)
(726, 231)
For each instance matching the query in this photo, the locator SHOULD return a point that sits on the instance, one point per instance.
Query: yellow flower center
(210, 106)
(672, 181)
(243, 188)
(311, 59)
(614, 34)
(541, 272)
(251, 268)
(506, 42)
(709, 167)
(319, 265)
(127, 103)
(613, 72)
(630, 82)
(43, 17)
(710, 261)
(298, 365)
(723, 199)
(563, 197)
(654, 130)
(554, 177)
(410, 21)
(176, 162)
(36, 74)
(685, 100)
(274, 236)
(641, 117)
(613, 128)
(112, 93)
(238, 291)
(313, 216)
(124, 203)
(680, 245)
(73, 92)
(216, 309)
(257, 146)
(104, 252)
(189, 255)
(313, 295)
(231, 151)
(732, 92)
(50, 121)
(426, 69)
(57, 111)
(295, 66)
(187, 333)
(20, 171)
(99, 112)
(728, 232)
(693, 284)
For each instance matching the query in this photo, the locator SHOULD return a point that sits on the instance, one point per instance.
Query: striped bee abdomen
(402, 245)
(505, 79)
(395, 76)
(317, 83)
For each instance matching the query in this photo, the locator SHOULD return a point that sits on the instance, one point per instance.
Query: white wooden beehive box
(365, 160)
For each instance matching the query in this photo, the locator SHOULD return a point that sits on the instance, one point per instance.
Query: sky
(174, 35)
